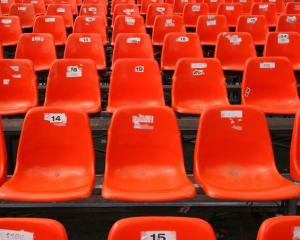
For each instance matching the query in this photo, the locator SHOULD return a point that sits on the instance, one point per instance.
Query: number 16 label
(158, 235)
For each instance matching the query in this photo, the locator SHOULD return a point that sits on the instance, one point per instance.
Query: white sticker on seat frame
(16, 235)
(158, 235)
(231, 114)
(137, 120)
(56, 118)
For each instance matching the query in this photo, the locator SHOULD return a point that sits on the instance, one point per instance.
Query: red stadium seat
(5, 6)
(145, 174)
(72, 3)
(126, 10)
(241, 156)
(10, 30)
(104, 2)
(280, 5)
(292, 8)
(127, 89)
(146, 3)
(268, 10)
(288, 23)
(74, 83)
(246, 4)
(231, 11)
(157, 9)
(25, 12)
(178, 5)
(198, 83)
(92, 10)
(3, 157)
(115, 2)
(192, 12)
(213, 5)
(63, 10)
(39, 6)
(263, 85)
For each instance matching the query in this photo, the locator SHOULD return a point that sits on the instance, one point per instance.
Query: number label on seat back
(182, 39)
(86, 39)
(283, 38)
(291, 19)
(252, 20)
(133, 40)
(158, 235)
(61, 10)
(139, 69)
(15, 235)
(74, 71)
(196, 8)
(55, 117)
(89, 19)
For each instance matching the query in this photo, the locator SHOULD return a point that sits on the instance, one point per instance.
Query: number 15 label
(158, 235)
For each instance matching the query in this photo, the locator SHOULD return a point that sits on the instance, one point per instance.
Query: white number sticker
(209, 23)
(55, 117)
(137, 120)
(198, 72)
(133, 40)
(158, 235)
(231, 114)
(61, 10)
(229, 8)
(247, 92)
(199, 65)
(37, 39)
(170, 23)
(49, 19)
(161, 10)
(264, 7)
(130, 20)
(139, 69)
(74, 71)
(283, 38)
(267, 65)
(182, 39)
(86, 39)
(34, 2)
(196, 8)
(15, 235)
(6, 81)
(252, 20)
(4, 1)
(22, 8)
(128, 11)
(6, 21)
(90, 19)
(296, 233)
(92, 9)
(15, 68)
(211, 16)
(291, 19)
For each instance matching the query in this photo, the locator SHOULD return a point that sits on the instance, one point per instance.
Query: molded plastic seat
(39, 228)
(63, 10)
(124, 24)
(54, 25)
(294, 152)
(198, 83)
(144, 160)
(94, 24)
(72, 3)
(192, 12)
(125, 9)
(48, 2)
(157, 9)
(283, 227)
(268, 10)
(178, 5)
(270, 83)
(284, 44)
(104, 2)
(292, 8)
(166, 1)
(246, 4)
(92, 10)
(10, 30)
(52, 169)
(179, 45)
(115, 2)
(208, 28)
(213, 5)
(146, 3)
(86, 46)
(166, 24)
(288, 23)
(132, 45)
(74, 83)
(18, 89)
(3, 157)
(231, 11)
(127, 89)
(233, 146)
(39, 6)
(37, 47)
(25, 12)
(280, 5)
(5, 6)
(184, 227)
(256, 25)
(233, 50)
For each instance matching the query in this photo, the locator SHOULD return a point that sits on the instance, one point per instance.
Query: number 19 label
(158, 235)
(139, 69)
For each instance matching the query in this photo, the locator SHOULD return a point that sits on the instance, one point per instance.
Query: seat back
(182, 227)
(63, 10)
(179, 45)
(25, 12)
(268, 10)
(54, 25)
(213, 5)
(256, 25)
(86, 46)
(146, 3)
(104, 2)
(125, 9)
(115, 2)
(96, 24)
(246, 4)
(209, 27)
(39, 6)
(94, 10)
(192, 11)
(178, 5)
(37, 47)
(292, 8)
(231, 11)
(288, 23)
(10, 30)
(280, 5)
(5, 6)
(166, 24)
(132, 45)
(72, 3)
(157, 9)
(3, 157)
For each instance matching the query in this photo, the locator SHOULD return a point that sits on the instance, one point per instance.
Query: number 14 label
(158, 235)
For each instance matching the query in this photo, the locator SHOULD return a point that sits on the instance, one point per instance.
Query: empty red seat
(178, 5)
(213, 5)
(37, 47)
(94, 10)
(144, 148)
(270, 83)
(209, 27)
(3, 157)
(18, 90)
(246, 4)
(198, 83)
(124, 24)
(74, 83)
(268, 10)
(292, 8)
(127, 89)
(182, 227)
(125, 9)
(157, 9)
(104, 2)
(85, 24)
(10, 30)
(285, 44)
(5, 6)
(280, 5)
(72, 3)
(288, 23)
(256, 25)
(49, 169)
(115, 2)
(86, 46)
(132, 45)
(25, 12)
(54, 25)
(39, 6)
(146, 3)
(192, 11)
(63, 10)
(233, 50)
(241, 156)
(166, 24)
(231, 11)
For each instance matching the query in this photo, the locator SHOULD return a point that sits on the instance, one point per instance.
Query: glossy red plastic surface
(174, 49)
(125, 24)
(125, 9)
(246, 4)
(196, 87)
(280, 5)
(288, 23)
(5, 6)
(54, 25)
(3, 157)
(96, 24)
(51, 168)
(166, 24)
(94, 10)
(292, 8)
(241, 156)
(86, 46)
(37, 47)
(18, 90)
(144, 159)
(104, 2)
(178, 5)
(233, 55)
(268, 10)
(184, 227)
(130, 87)
(146, 3)
(157, 9)
(115, 2)
(1, 14)
(72, 3)
(294, 152)
(10, 30)
(208, 28)
(63, 10)
(192, 11)
(213, 5)
(25, 12)
(231, 11)
(39, 6)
